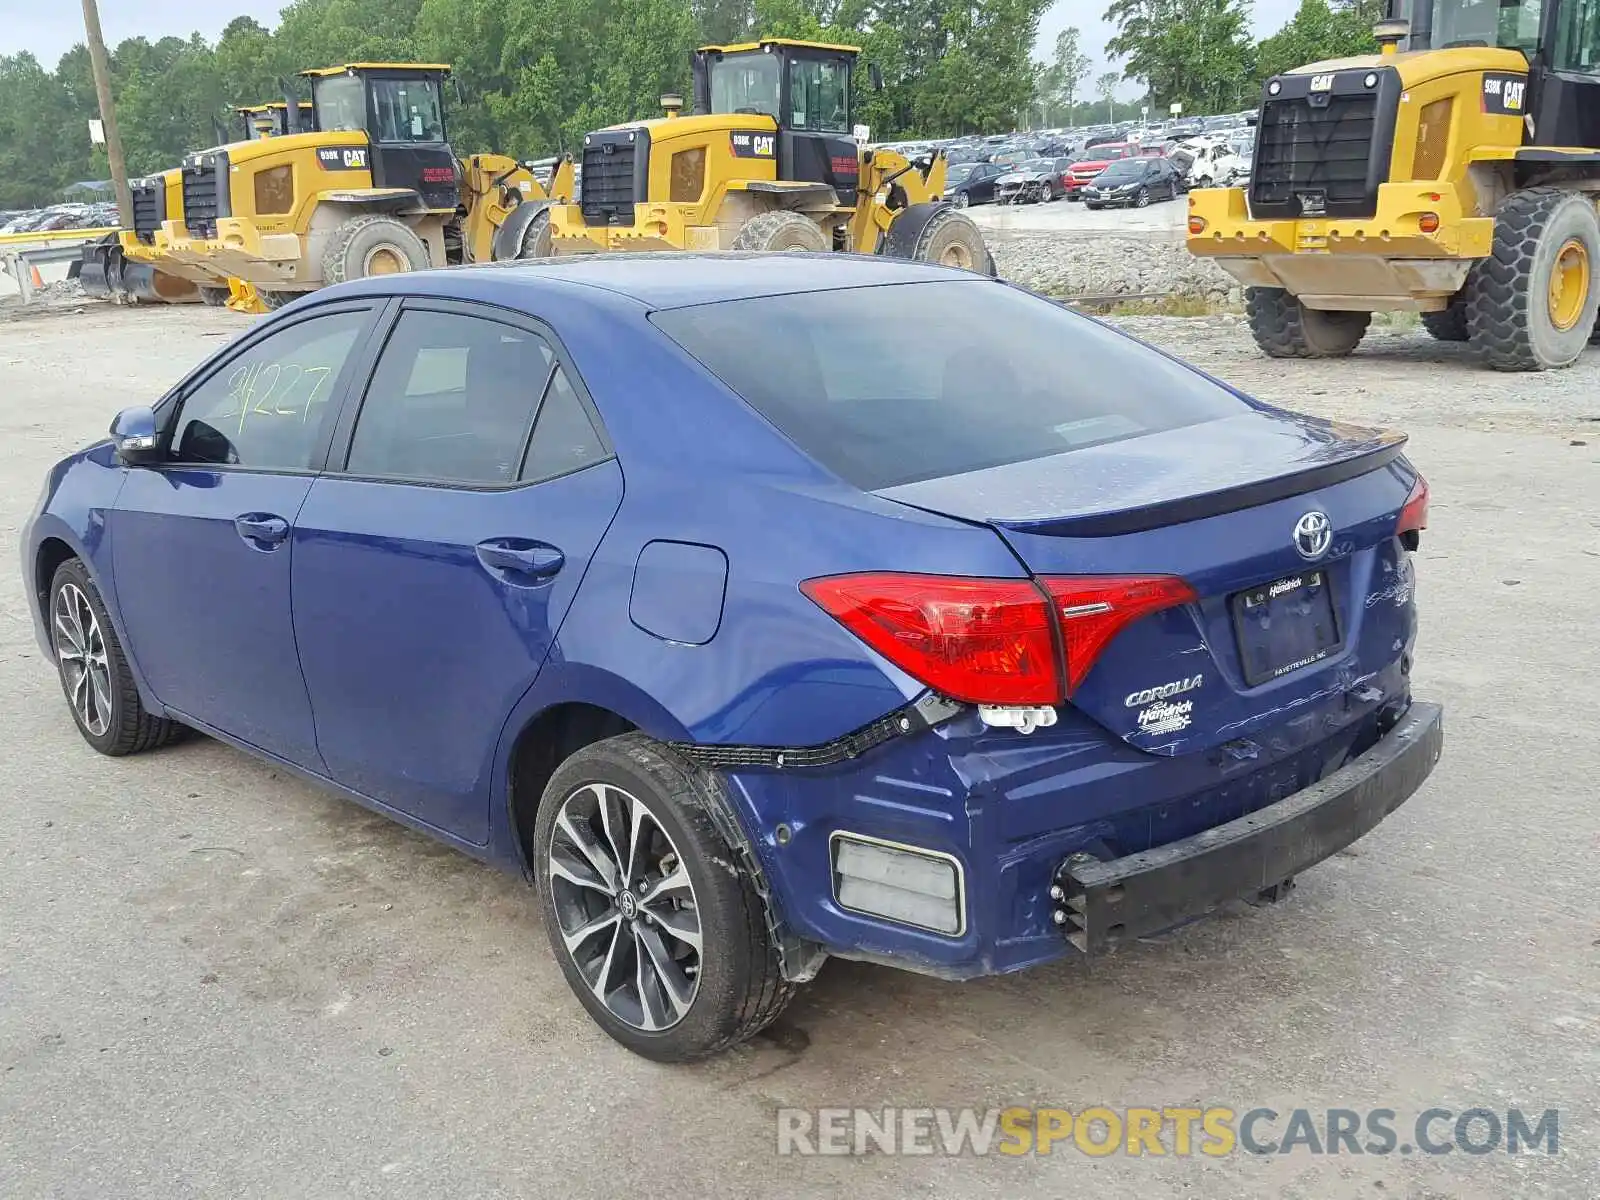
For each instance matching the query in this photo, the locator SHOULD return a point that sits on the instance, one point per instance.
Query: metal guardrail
(20, 264)
(54, 235)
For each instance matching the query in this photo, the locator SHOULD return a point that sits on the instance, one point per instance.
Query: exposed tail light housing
(1414, 516)
(1093, 609)
(994, 641)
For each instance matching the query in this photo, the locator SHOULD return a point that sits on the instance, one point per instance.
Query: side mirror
(135, 436)
(875, 74)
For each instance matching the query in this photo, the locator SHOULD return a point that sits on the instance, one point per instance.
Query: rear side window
(451, 400)
(892, 385)
(564, 439)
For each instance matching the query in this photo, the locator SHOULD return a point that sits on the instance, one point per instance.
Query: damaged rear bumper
(1102, 903)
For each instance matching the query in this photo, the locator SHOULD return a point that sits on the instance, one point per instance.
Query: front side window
(341, 102)
(265, 408)
(451, 401)
(745, 83)
(407, 110)
(819, 95)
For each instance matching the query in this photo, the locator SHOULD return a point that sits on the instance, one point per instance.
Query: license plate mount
(1285, 626)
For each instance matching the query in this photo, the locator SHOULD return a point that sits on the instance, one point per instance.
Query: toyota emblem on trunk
(1312, 534)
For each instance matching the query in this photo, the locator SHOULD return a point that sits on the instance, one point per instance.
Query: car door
(201, 546)
(435, 559)
(982, 187)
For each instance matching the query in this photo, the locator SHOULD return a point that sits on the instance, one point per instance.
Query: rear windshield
(892, 385)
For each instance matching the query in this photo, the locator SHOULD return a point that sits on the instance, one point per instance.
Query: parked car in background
(1133, 183)
(1095, 160)
(896, 673)
(1034, 181)
(1211, 162)
(972, 183)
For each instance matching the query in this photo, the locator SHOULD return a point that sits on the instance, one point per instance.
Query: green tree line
(532, 76)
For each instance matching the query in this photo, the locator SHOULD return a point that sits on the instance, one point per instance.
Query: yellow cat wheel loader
(374, 189)
(127, 264)
(1454, 174)
(769, 160)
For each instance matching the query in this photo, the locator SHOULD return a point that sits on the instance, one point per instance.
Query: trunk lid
(1276, 631)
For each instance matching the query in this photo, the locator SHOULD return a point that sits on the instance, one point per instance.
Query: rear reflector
(994, 641)
(985, 641)
(900, 883)
(1093, 609)
(1414, 516)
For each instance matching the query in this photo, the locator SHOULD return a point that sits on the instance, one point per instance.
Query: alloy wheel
(81, 652)
(625, 905)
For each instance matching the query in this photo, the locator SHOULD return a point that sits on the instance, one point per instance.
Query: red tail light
(1414, 516)
(993, 641)
(985, 641)
(1093, 609)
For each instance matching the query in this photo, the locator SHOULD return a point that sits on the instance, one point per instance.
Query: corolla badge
(1313, 534)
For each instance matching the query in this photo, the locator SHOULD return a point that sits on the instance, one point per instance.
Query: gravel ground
(216, 980)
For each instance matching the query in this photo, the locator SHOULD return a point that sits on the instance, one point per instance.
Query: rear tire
(600, 801)
(780, 231)
(1531, 305)
(1285, 328)
(94, 671)
(372, 244)
(1448, 324)
(214, 297)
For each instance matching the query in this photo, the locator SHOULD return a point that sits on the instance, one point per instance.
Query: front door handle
(263, 529)
(530, 560)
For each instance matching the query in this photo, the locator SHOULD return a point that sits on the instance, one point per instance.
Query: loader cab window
(1509, 24)
(341, 102)
(1578, 37)
(819, 95)
(745, 83)
(407, 110)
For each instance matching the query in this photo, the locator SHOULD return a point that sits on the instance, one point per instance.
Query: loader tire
(1285, 328)
(1531, 304)
(1448, 324)
(214, 297)
(937, 233)
(536, 239)
(273, 301)
(780, 231)
(372, 244)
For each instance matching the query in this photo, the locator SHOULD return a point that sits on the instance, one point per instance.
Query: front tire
(1531, 305)
(962, 200)
(94, 671)
(1142, 200)
(943, 236)
(780, 231)
(1285, 328)
(662, 939)
(214, 297)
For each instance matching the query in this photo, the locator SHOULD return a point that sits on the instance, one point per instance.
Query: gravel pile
(1066, 264)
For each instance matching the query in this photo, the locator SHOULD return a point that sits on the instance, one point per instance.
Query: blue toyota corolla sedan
(759, 609)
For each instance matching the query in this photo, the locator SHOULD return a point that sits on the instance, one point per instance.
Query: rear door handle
(264, 529)
(535, 561)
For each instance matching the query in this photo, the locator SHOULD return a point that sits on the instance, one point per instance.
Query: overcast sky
(50, 27)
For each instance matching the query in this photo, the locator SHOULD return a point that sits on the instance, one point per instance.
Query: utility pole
(108, 115)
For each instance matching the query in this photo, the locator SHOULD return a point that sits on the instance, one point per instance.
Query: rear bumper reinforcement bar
(1106, 902)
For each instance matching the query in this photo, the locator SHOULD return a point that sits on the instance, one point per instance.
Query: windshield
(745, 83)
(900, 383)
(959, 172)
(1127, 168)
(1513, 26)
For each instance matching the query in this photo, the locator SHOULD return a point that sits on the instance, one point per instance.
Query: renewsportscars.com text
(1099, 1131)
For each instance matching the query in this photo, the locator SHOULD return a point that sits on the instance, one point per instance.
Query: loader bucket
(94, 266)
(147, 283)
